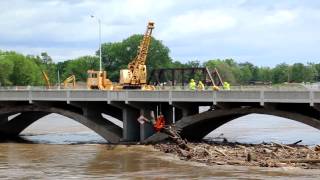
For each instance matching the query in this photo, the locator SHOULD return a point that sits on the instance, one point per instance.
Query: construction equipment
(46, 79)
(69, 80)
(135, 77)
(98, 80)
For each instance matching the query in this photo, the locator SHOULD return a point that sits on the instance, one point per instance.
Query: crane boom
(46, 79)
(141, 57)
(136, 74)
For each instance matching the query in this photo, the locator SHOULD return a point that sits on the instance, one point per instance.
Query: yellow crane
(136, 75)
(46, 79)
(70, 80)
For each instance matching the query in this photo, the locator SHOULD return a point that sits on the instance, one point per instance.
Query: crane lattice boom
(137, 66)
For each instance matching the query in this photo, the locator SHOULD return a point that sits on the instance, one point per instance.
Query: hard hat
(191, 80)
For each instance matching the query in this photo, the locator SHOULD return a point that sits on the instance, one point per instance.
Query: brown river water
(59, 148)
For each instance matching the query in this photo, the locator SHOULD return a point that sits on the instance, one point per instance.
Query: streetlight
(59, 83)
(99, 21)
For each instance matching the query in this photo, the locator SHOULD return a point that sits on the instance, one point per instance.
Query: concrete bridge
(98, 109)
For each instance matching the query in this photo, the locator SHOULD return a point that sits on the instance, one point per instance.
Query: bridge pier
(146, 129)
(131, 127)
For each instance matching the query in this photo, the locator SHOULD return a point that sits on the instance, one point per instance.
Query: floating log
(283, 146)
(295, 143)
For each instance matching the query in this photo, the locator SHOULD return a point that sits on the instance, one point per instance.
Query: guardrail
(297, 87)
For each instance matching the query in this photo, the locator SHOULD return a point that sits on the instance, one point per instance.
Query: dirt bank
(263, 155)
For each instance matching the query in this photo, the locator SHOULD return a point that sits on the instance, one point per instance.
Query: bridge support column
(131, 127)
(146, 129)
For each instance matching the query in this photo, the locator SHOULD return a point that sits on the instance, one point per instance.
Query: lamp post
(59, 83)
(100, 62)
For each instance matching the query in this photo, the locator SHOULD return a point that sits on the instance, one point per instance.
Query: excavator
(135, 77)
(69, 80)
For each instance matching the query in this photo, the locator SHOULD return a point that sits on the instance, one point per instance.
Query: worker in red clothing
(158, 123)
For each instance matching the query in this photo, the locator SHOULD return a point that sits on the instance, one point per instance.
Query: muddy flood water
(59, 148)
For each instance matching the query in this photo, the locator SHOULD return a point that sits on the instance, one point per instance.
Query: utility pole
(100, 53)
(59, 84)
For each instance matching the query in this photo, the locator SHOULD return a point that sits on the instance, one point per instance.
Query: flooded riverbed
(57, 148)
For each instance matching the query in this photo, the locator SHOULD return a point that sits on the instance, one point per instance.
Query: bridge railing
(285, 87)
(262, 96)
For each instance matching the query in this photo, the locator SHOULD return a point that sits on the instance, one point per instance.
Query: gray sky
(262, 32)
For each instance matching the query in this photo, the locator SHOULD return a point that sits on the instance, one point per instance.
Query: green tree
(317, 67)
(79, 67)
(311, 73)
(193, 64)
(246, 72)
(25, 71)
(6, 69)
(45, 58)
(178, 64)
(280, 73)
(265, 74)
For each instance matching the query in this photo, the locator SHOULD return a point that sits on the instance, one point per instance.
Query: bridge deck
(260, 96)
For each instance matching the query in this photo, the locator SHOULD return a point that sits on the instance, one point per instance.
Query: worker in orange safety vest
(158, 123)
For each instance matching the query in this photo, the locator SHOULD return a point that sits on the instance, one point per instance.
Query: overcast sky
(262, 32)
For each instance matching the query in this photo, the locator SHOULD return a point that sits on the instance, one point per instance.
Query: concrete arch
(197, 126)
(31, 113)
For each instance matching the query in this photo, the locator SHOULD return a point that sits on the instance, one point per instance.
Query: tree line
(22, 70)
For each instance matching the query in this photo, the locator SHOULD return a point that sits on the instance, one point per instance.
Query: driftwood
(283, 146)
(264, 155)
(297, 142)
(300, 160)
(217, 150)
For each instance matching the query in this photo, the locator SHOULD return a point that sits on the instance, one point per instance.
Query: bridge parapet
(162, 96)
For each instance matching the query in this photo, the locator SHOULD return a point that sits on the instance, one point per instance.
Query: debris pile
(263, 155)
